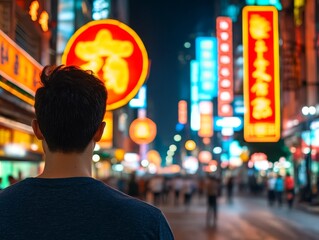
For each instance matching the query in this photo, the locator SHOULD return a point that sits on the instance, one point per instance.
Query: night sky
(164, 26)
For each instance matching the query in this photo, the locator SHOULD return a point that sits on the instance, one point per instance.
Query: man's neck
(65, 165)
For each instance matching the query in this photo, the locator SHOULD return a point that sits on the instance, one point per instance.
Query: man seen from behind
(64, 201)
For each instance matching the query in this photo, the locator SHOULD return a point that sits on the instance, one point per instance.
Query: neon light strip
(15, 125)
(17, 93)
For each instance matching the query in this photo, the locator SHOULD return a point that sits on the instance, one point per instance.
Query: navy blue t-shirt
(80, 208)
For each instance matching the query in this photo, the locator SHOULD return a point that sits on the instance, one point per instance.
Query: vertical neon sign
(261, 74)
(225, 66)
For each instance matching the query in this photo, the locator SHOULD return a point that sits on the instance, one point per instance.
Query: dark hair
(69, 107)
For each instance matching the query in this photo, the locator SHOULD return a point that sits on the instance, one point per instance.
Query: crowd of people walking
(177, 190)
(279, 188)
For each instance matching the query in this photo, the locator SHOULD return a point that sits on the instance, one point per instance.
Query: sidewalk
(304, 206)
(307, 207)
(247, 217)
(312, 207)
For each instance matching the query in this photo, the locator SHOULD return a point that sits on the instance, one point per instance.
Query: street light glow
(311, 110)
(177, 138)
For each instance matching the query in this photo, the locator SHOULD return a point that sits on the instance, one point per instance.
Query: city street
(247, 218)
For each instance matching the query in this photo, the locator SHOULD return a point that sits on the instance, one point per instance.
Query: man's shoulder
(15, 188)
(96, 201)
(123, 200)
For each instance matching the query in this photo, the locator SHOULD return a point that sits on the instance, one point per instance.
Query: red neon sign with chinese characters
(225, 66)
(261, 74)
(115, 53)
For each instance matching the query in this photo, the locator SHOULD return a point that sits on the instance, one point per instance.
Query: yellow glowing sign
(33, 10)
(107, 137)
(43, 21)
(5, 136)
(119, 154)
(19, 68)
(206, 119)
(44, 16)
(261, 74)
(14, 136)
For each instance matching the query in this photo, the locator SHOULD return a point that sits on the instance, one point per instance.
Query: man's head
(69, 108)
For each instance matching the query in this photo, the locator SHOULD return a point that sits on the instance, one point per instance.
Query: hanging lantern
(142, 131)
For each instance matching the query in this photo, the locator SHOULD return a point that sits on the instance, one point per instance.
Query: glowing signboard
(115, 53)
(225, 66)
(13, 137)
(139, 101)
(206, 57)
(19, 68)
(182, 112)
(107, 137)
(206, 119)
(194, 108)
(261, 74)
(236, 123)
(43, 18)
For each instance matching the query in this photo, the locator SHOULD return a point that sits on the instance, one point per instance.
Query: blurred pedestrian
(230, 188)
(133, 186)
(167, 187)
(201, 187)
(212, 189)
(64, 201)
(142, 188)
(177, 186)
(290, 189)
(279, 189)
(271, 189)
(156, 187)
(121, 184)
(188, 189)
(12, 180)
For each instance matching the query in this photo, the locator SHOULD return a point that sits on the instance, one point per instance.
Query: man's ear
(36, 129)
(98, 135)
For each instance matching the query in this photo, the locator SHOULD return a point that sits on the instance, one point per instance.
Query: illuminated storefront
(21, 51)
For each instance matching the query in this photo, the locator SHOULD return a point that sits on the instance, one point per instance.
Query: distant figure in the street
(64, 201)
(230, 188)
(279, 189)
(188, 189)
(133, 186)
(12, 180)
(177, 186)
(121, 184)
(212, 189)
(156, 187)
(201, 186)
(167, 186)
(290, 189)
(271, 189)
